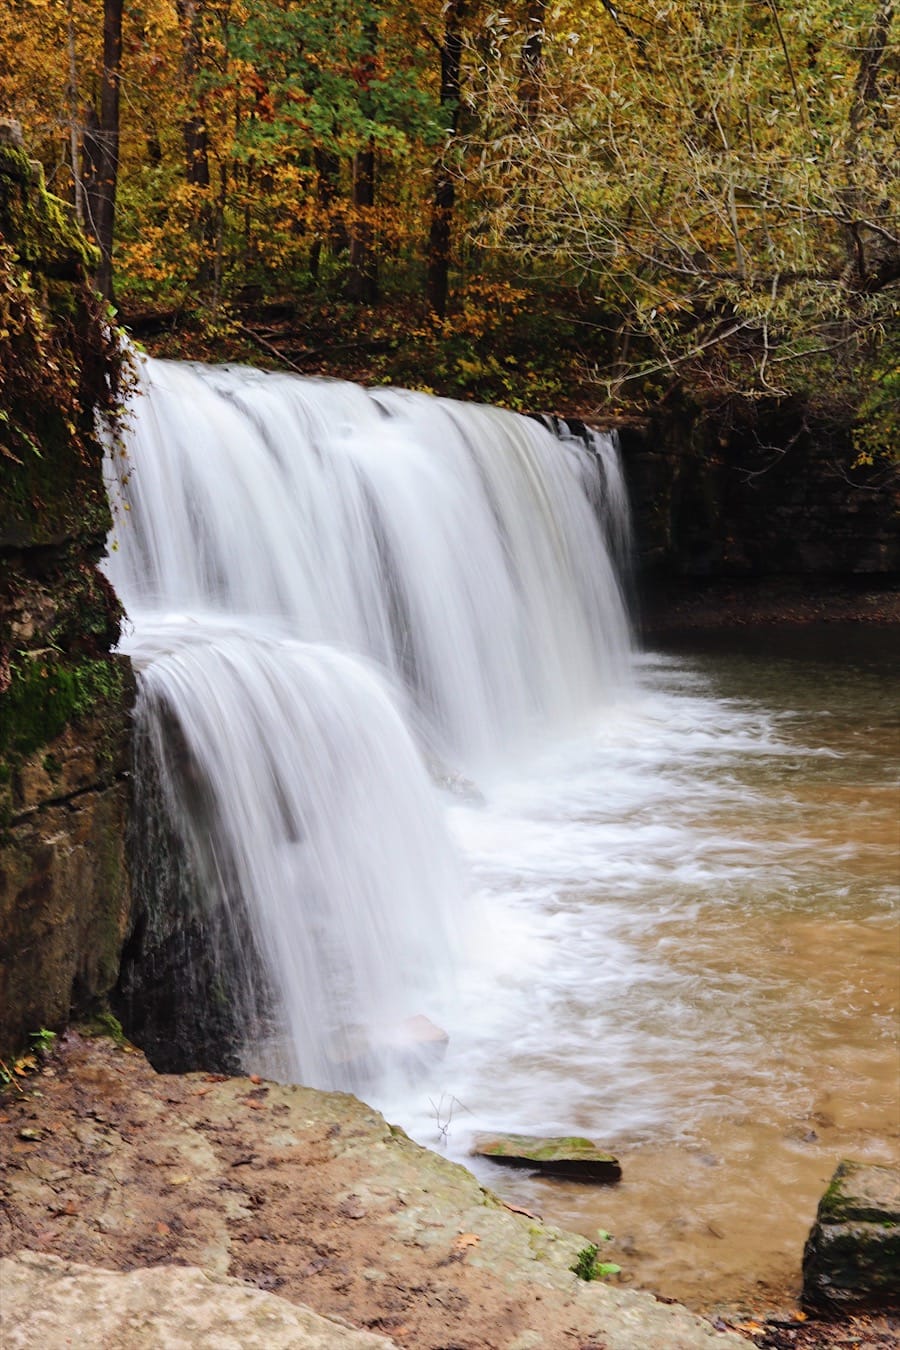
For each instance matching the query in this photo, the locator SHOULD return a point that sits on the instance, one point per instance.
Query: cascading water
(668, 919)
(336, 598)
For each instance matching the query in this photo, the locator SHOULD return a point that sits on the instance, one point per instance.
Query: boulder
(48, 1303)
(565, 1156)
(851, 1260)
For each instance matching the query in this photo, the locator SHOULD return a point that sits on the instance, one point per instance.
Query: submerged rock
(851, 1260)
(566, 1156)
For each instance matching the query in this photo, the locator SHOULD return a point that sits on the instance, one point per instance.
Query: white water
(340, 597)
(670, 921)
(669, 924)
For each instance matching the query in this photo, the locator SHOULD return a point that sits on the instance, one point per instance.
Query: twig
(11, 1077)
(270, 348)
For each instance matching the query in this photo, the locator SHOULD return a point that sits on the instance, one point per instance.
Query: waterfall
(339, 600)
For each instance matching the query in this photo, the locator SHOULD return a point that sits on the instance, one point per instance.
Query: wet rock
(851, 1260)
(454, 782)
(566, 1156)
(65, 702)
(158, 1308)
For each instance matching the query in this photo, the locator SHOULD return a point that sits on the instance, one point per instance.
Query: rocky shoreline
(311, 1197)
(693, 606)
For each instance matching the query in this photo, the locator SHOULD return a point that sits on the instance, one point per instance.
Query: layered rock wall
(773, 492)
(64, 700)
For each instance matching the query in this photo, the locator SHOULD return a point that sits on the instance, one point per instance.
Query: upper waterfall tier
(465, 550)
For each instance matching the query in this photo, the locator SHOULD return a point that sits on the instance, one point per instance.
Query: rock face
(572, 1157)
(159, 1308)
(767, 490)
(309, 1194)
(64, 701)
(851, 1260)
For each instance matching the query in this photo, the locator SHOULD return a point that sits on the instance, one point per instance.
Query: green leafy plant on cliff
(63, 364)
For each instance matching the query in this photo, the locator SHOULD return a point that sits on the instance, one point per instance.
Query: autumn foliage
(703, 191)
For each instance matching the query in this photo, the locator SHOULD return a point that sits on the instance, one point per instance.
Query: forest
(549, 205)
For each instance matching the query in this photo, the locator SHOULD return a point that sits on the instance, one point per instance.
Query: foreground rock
(310, 1195)
(571, 1157)
(45, 1300)
(852, 1256)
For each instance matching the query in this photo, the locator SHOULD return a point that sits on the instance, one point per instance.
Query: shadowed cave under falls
(398, 758)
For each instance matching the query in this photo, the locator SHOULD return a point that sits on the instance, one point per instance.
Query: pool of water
(683, 943)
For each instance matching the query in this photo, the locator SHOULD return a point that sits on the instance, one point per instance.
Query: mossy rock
(62, 366)
(563, 1156)
(851, 1260)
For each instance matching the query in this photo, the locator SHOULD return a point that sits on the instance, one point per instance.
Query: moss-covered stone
(568, 1156)
(851, 1260)
(62, 365)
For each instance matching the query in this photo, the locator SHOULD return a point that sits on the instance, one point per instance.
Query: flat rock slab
(309, 1195)
(851, 1260)
(564, 1156)
(49, 1304)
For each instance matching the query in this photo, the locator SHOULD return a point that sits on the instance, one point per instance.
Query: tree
(450, 51)
(699, 170)
(107, 140)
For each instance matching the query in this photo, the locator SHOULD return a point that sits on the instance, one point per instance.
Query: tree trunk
(74, 127)
(194, 133)
(108, 135)
(328, 168)
(440, 236)
(91, 167)
(362, 281)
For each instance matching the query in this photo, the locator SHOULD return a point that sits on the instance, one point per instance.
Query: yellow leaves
(20, 1068)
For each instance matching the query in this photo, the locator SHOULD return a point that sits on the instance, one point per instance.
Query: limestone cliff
(64, 700)
(755, 491)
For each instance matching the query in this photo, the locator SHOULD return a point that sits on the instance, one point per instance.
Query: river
(687, 949)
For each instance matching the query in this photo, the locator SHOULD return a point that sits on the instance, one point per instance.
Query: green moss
(104, 1023)
(846, 1202)
(46, 693)
(61, 366)
(40, 223)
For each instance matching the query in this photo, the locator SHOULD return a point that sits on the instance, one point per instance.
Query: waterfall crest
(331, 592)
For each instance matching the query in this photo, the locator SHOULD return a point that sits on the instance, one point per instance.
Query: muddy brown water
(749, 1041)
